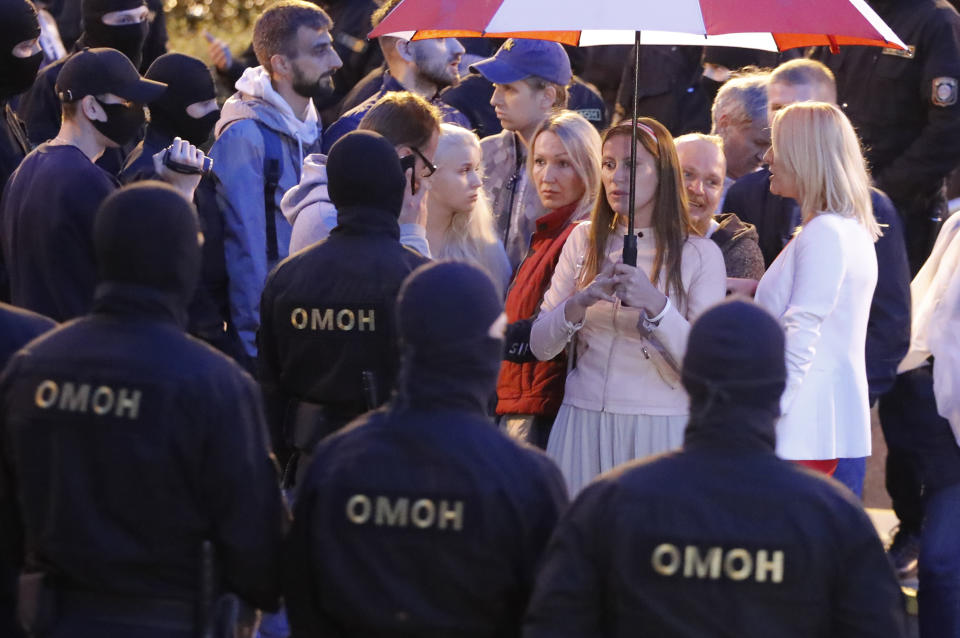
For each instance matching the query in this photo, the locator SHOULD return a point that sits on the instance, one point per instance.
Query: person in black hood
(20, 57)
(327, 343)
(166, 438)
(421, 518)
(115, 24)
(188, 109)
(721, 538)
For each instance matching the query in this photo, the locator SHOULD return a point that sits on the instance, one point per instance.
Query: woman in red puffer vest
(564, 165)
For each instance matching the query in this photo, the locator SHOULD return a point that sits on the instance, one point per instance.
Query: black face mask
(128, 39)
(17, 74)
(123, 122)
(197, 130)
(194, 130)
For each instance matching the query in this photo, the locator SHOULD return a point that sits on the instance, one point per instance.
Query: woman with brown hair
(623, 399)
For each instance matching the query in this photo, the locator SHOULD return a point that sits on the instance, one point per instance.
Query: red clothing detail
(535, 387)
(827, 467)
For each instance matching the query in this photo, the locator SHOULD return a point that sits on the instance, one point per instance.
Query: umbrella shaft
(630, 241)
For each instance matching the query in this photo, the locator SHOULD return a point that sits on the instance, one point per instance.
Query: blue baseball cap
(519, 59)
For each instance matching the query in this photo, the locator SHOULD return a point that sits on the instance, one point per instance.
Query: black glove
(516, 342)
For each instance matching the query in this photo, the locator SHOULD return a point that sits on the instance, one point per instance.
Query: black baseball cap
(101, 71)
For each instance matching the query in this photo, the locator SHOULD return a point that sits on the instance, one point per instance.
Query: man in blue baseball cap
(530, 79)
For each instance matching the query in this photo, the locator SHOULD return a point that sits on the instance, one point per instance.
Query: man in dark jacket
(721, 538)
(421, 519)
(327, 343)
(17, 328)
(905, 107)
(48, 207)
(117, 24)
(20, 57)
(162, 438)
(424, 67)
(188, 109)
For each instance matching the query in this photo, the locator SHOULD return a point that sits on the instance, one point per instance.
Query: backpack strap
(272, 162)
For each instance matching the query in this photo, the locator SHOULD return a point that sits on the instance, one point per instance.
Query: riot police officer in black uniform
(722, 538)
(131, 446)
(904, 106)
(17, 327)
(327, 344)
(421, 518)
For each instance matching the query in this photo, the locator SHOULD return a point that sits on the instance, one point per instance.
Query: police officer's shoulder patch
(944, 91)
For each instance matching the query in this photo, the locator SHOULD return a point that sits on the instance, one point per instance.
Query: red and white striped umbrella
(774, 25)
(757, 24)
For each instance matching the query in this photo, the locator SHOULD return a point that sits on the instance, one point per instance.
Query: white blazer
(820, 288)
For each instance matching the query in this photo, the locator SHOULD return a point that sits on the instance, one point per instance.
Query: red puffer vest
(535, 387)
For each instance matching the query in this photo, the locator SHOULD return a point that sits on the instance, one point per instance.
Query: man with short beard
(423, 67)
(266, 129)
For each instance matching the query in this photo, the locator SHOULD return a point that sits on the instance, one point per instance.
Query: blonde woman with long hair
(623, 399)
(821, 285)
(459, 221)
(564, 167)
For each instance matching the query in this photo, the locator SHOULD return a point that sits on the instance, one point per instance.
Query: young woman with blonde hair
(564, 166)
(623, 399)
(459, 221)
(821, 285)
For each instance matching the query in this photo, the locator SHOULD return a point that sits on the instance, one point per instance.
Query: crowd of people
(282, 366)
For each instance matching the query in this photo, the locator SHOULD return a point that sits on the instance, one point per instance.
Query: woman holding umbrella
(821, 285)
(623, 399)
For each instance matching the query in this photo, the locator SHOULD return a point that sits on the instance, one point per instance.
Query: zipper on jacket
(613, 344)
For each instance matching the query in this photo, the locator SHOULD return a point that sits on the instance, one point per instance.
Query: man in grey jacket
(265, 131)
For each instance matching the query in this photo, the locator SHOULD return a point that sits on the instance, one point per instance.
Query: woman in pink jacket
(623, 399)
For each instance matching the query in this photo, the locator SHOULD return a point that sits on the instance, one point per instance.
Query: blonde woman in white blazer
(821, 285)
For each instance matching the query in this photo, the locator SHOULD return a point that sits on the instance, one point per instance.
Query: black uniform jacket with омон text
(327, 315)
(421, 519)
(128, 444)
(721, 539)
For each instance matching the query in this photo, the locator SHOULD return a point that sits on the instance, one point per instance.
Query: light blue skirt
(586, 443)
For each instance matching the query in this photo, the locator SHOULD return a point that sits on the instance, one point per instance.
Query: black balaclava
(363, 171)
(735, 372)
(147, 234)
(450, 320)
(188, 81)
(127, 39)
(18, 22)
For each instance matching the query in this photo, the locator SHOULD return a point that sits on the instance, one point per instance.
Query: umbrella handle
(630, 250)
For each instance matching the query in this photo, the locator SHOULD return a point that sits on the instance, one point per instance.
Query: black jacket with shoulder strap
(327, 315)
